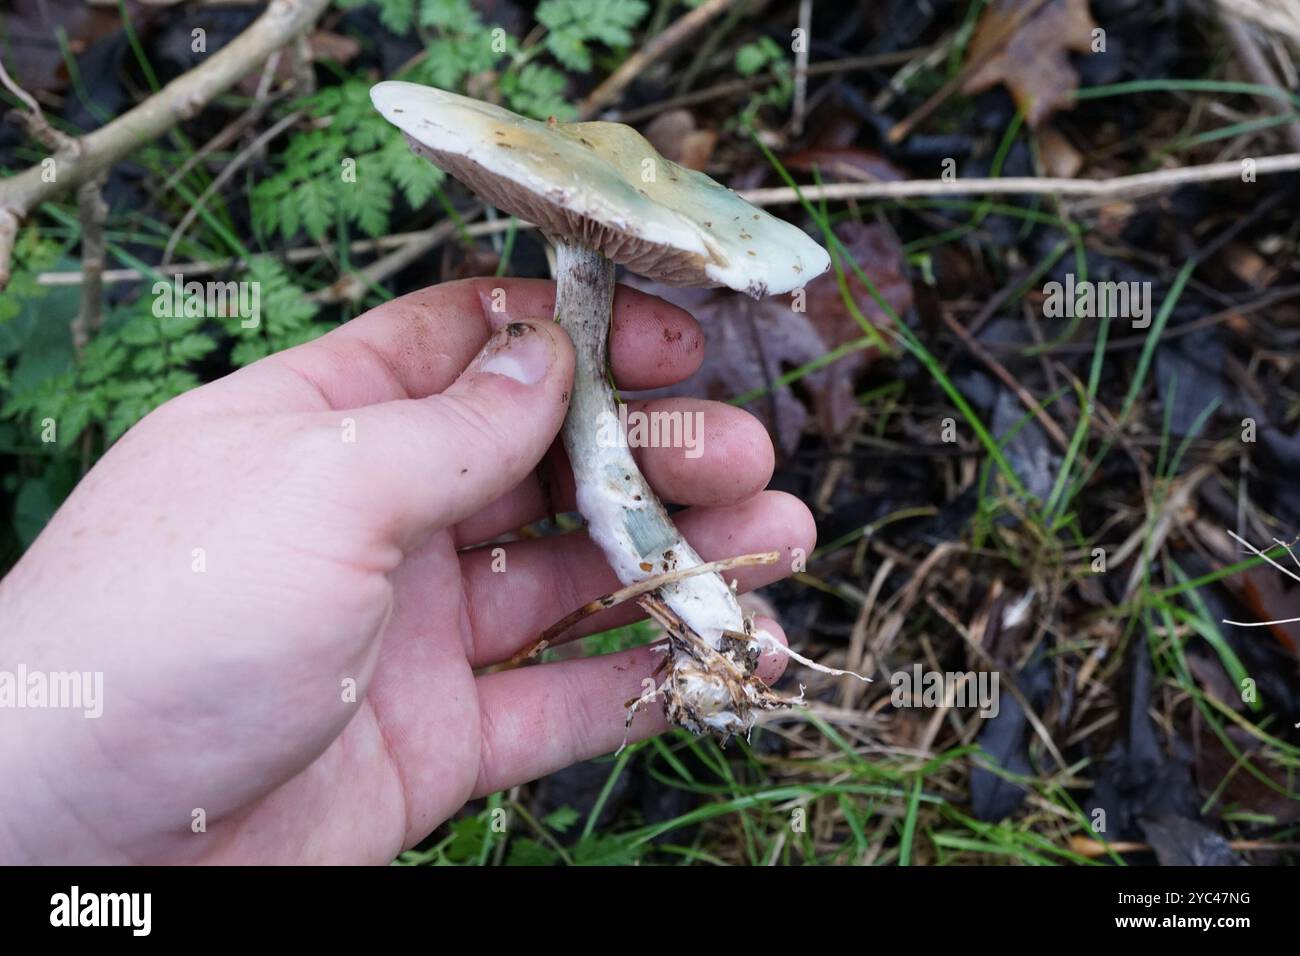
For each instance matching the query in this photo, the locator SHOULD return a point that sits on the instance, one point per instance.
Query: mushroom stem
(707, 689)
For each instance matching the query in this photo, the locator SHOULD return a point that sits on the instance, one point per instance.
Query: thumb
(431, 462)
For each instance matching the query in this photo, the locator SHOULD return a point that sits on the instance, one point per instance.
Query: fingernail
(522, 351)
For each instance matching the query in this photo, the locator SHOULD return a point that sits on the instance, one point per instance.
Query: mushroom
(603, 195)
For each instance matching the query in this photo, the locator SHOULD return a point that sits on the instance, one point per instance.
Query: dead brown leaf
(1058, 155)
(1265, 592)
(1214, 762)
(752, 343)
(674, 134)
(845, 164)
(1033, 63)
(878, 253)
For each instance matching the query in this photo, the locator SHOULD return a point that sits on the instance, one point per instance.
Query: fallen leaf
(1218, 771)
(752, 343)
(1249, 266)
(325, 47)
(674, 134)
(878, 253)
(845, 163)
(1179, 841)
(1265, 591)
(1033, 62)
(1060, 158)
(475, 263)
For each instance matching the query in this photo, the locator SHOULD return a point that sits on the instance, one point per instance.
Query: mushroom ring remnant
(603, 195)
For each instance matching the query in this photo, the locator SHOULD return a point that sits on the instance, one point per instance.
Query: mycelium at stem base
(713, 651)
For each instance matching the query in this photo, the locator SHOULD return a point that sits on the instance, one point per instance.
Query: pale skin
(234, 564)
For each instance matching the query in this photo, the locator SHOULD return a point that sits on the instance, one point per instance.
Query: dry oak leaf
(676, 137)
(1034, 62)
(752, 343)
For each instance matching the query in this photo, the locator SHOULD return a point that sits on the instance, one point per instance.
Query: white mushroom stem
(628, 522)
(624, 516)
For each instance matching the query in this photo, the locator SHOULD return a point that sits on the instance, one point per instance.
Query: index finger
(416, 345)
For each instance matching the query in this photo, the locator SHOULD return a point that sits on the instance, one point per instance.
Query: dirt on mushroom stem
(710, 685)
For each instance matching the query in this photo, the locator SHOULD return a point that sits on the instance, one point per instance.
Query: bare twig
(1257, 67)
(1086, 846)
(263, 100)
(8, 235)
(1260, 554)
(1280, 16)
(27, 99)
(38, 127)
(414, 244)
(617, 81)
(92, 211)
(727, 88)
(180, 99)
(1119, 186)
(352, 286)
(635, 591)
(228, 170)
(801, 67)
(298, 254)
(1026, 397)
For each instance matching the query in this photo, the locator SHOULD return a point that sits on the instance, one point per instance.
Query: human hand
(234, 561)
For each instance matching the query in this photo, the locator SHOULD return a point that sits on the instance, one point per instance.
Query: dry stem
(615, 598)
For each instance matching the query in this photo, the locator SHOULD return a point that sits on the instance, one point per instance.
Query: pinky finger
(536, 720)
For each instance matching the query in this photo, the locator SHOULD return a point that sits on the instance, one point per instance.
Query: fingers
(536, 720)
(417, 345)
(404, 467)
(516, 594)
(729, 458)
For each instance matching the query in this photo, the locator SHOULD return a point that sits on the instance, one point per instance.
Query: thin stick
(636, 590)
(199, 267)
(1257, 67)
(227, 171)
(1026, 397)
(19, 92)
(617, 81)
(912, 188)
(1255, 551)
(353, 286)
(39, 129)
(1095, 188)
(263, 102)
(1276, 15)
(801, 67)
(92, 211)
(848, 64)
(1285, 620)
